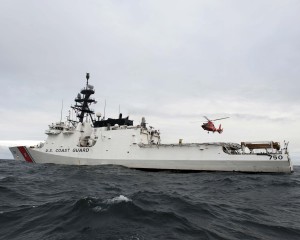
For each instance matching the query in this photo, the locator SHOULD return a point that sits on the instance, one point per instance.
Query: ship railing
(181, 144)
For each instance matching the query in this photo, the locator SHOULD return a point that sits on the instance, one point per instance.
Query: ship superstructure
(92, 140)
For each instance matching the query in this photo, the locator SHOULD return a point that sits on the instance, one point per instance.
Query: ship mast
(84, 100)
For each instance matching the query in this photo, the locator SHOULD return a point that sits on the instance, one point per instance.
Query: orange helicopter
(210, 127)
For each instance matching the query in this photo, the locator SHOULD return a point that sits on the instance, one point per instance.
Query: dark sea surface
(110, 202)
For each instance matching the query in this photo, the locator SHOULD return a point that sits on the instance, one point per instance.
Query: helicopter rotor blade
(220, 118)
(206, 118)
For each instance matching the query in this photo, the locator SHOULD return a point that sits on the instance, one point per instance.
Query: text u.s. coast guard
(67, 150)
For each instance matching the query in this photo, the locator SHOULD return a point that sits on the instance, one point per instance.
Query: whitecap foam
(97, 209)
(119, 199)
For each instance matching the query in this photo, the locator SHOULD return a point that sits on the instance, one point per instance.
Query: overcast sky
(170, 61)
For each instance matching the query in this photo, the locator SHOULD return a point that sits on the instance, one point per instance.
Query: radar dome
(98, 114)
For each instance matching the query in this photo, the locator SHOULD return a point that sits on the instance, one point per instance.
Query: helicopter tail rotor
(220, 129)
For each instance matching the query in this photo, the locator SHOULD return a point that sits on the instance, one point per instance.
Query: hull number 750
(275, 157)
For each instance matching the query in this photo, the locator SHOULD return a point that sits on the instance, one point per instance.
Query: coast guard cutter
(92, 140)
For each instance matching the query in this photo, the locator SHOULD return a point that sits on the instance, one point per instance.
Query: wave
(90, 216)
(95, 202)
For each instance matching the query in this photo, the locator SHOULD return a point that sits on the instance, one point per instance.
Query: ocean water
(111, 202)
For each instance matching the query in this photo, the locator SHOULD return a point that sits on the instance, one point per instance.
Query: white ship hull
(187, 157)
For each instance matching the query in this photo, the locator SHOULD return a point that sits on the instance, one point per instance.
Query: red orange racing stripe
(25, 154)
